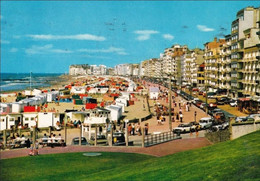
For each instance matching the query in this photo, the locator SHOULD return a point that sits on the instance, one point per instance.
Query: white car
(222, 126)
(182, 128)
(233, 103)
(194, 100)
(205, 122)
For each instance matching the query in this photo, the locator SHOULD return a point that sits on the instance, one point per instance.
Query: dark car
(75, 141)
(119, 139)
(212, 111)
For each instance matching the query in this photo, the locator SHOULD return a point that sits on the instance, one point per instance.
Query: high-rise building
(243, 52)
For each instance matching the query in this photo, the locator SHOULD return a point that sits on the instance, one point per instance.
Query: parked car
(203, 106)
(101, 139)
(233, 103)
(194, 100)
(255, 116)
(75, 141)
(222, 126)
(212, 111)
(221, 101)
(198, 103)
(241, 119)
(205, 122)
(182, 128)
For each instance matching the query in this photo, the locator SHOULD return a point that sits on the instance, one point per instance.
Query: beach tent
(154, 92)
(27, 92)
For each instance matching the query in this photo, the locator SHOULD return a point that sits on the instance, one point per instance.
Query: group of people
(134, 129)
(52, 138)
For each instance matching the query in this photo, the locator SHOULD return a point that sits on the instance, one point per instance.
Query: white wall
(45, 120)
(3, 124)
(238, 131)
(29, 119)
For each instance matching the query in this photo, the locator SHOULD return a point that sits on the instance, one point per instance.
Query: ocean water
(21, 81)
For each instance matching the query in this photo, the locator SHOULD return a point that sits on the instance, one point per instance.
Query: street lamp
(195, 114)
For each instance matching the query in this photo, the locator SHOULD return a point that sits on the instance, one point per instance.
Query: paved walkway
(163, 149)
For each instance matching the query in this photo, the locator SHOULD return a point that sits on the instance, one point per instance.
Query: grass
(232, 160)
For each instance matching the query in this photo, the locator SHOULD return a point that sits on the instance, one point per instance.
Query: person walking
(181, 117)
(133, 129)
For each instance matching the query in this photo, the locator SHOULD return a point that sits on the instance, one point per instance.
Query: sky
(47, 37)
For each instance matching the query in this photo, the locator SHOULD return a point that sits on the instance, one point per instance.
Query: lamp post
(195, 114)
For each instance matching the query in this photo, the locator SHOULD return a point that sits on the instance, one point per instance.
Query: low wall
(218, 136)
(239, 130)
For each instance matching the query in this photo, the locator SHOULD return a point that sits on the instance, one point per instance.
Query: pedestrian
(129, 129)
(181, 117)
(146, 127)
(197, 131)
(177, 116)
(31, 150)
(36, 148)
(133, 129)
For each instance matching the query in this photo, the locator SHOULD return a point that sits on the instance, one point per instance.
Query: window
(26, 119)
(2, 120)
(32, 119)
(11, 119)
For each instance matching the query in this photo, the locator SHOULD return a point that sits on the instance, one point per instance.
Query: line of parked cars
(251, 117)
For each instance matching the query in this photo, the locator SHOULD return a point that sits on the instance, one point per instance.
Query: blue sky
(50, 36)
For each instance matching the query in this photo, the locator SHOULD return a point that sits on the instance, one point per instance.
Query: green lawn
(232, 160)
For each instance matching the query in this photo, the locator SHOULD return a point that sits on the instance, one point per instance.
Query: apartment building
(192, 60)
(243, 53)
(212, 67)
(201, 75)
(123, 69)
(78, 69)
(224, 62)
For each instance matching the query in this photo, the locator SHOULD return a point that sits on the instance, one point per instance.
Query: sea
(22, 81)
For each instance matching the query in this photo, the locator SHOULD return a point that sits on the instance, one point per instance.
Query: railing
(155, 139)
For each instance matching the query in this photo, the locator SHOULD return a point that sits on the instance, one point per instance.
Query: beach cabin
(13, 119)
(47, 119)
(154, 92)
(126, 95)
(122, 100)
(78, 90)
(51, 96)
(3, 122)
(30, 119)
(36, 92)
(122, 105)
(17, 107)
(92, 90)
(74, 115)
(115, 112)
(5, 108)
(27, 92)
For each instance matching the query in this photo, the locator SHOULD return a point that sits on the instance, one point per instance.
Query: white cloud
(68, 37)
(5, 42)
(168, 36)
(97, 57)
(204, 28)
(13, 50)
(119, 51)
(45, 49)
(145, 34)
